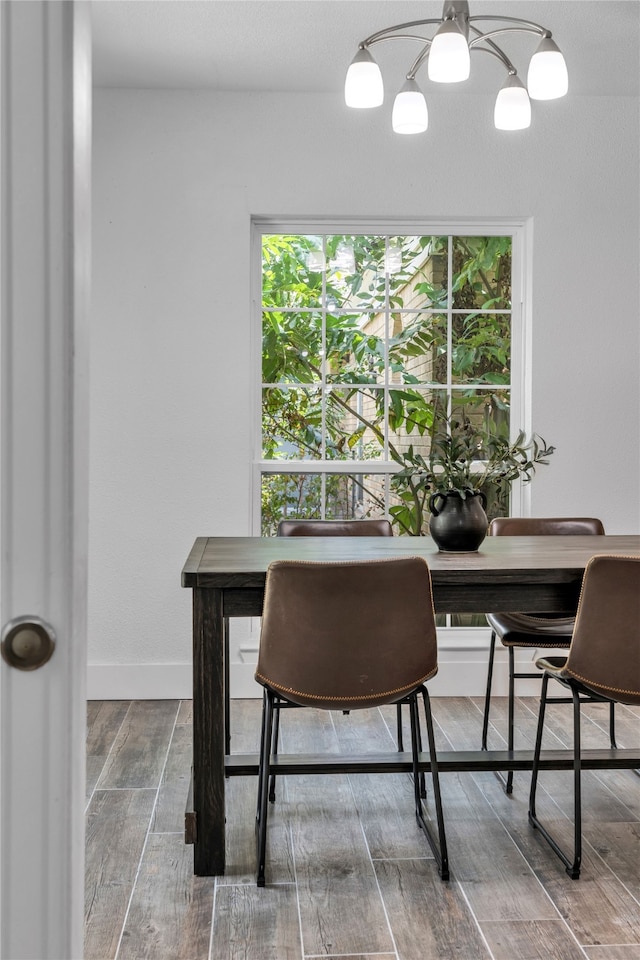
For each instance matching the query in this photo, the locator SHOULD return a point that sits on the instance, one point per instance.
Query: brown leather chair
(349, 636)
(335, 528)
(526, 629)
(311, 528)
(603, 664)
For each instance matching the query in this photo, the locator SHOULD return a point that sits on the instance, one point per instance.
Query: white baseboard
(462, 667)
(455, 678)
(462, 672)
(139, 681)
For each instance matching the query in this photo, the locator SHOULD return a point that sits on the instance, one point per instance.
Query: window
(367, 338)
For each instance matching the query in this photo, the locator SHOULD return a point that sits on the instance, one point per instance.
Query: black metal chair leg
(262, 731)
(422, 780)
(573, 869)
(612, 730)
(263, 780)
(400, 741)
(399, 727)
(612, 725)
(533, 819)
(572, 866)
(439, 849)
(276, 736)
(487, 696)
(433, 757)
(507, 781)
(511, 722)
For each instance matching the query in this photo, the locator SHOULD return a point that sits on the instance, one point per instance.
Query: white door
(46, 109)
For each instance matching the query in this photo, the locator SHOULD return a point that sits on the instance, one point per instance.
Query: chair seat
(556, 667)
(525, 630)
(553, 665)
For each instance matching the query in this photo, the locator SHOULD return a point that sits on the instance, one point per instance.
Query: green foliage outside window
(363, 362)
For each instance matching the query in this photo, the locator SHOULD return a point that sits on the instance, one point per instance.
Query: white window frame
(520, 231)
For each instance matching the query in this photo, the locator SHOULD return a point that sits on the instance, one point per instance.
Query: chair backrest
(605, 648)
(343, 636)
(545, 526)
(335, 528)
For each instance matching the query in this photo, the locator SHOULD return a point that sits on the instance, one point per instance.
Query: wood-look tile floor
(349, 874)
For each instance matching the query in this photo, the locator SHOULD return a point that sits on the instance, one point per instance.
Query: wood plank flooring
(349, 874)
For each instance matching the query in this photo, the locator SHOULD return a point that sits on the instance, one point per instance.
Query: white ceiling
(306, 45)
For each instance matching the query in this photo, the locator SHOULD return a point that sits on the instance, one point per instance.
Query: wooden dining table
(227, 577)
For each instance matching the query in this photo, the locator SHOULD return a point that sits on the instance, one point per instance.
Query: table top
(241, 562)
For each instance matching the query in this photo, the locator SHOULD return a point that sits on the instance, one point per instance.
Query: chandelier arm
(387, 33)
(499, 55)
(497, 33)
(419, 60)
(400, 36)
(493, 47)
(537, 27)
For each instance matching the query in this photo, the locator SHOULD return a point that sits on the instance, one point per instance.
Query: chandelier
(448, 58)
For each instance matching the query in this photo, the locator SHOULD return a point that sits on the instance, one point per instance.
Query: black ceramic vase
(458, 525)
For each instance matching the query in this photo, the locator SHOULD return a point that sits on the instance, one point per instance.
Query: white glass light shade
(547, 78)
(410, 113)
(513, 107)
(363, 87)
(449, 58)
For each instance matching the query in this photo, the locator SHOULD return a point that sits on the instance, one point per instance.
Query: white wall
(177, 177)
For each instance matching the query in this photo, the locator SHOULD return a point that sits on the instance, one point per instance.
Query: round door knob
(27, 642)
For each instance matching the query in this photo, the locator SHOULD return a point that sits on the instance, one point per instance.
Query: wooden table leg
(208, 731)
